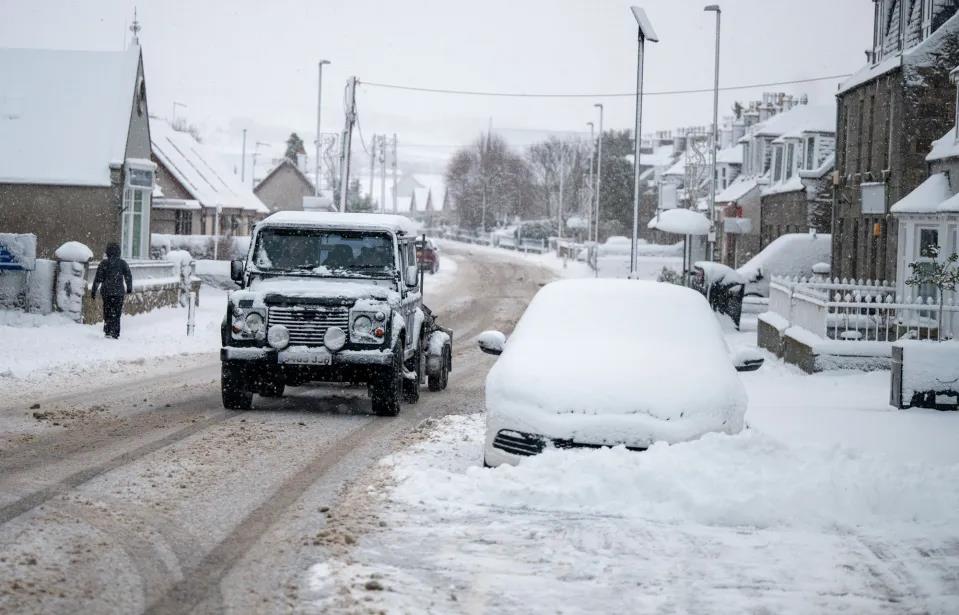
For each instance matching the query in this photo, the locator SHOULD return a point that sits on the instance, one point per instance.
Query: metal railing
(864, 310)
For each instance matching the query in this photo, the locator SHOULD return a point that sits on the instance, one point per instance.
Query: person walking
(113, 276)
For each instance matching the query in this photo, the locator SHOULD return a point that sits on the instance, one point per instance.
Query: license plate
(305, 357)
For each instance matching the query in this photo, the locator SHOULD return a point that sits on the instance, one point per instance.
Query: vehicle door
(411, 294)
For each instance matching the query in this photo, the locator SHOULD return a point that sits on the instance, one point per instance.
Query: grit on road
(143, 494)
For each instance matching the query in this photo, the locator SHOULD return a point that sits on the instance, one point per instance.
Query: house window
(135, 206)
(183, 222)
(928, 242)
(778, 164)
(926, 18)
(811, 153)
(790, 159)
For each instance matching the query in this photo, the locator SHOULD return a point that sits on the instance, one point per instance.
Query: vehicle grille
(308, 325)
(519, 443)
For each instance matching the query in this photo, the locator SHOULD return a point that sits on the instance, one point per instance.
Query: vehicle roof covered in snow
(360, 221)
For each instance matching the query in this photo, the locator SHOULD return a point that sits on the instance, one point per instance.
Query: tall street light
(646, 32)
(599, 167)
(319, 105)
(592, 182)
(714, 138)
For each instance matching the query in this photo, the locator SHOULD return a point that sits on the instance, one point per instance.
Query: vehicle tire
(233, 388)
(438, 382)
(435, 267)
(411, 388)
(273, 387)
(386, 391)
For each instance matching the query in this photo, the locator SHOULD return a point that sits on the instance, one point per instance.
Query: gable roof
(286, 162)
(64, 115)
(200, 170)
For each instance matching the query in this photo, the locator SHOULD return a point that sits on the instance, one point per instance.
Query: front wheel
(438, 381)
(233, 388)
(386, 390)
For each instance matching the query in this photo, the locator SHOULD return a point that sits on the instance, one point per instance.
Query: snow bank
(793, 254)
(22, 247)
(596, 359)
(180, 257)
(74, 251)
(681, 222)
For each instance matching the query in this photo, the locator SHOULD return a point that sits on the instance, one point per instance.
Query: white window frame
(927, 6)
(778, 163)
(811, 153)
(135, 187)
(790, 161)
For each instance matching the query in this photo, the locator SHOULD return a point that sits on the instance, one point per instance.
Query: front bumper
(271, 356)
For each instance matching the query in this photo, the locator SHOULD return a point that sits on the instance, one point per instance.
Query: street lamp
(319, 103)
(599, 167)
(592, 184)
(645, 32)
(714, 138)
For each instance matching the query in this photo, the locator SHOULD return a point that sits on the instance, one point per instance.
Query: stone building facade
(889, 113)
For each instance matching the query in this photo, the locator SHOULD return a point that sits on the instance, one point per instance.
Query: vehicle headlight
(363, 326)
(278, 336)
(334, 339)
(255, 324)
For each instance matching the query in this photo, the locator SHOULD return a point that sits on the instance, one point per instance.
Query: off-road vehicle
(331, 297)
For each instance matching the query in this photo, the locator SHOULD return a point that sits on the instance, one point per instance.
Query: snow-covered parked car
(598, 362)
(331, 297)
(794, 254)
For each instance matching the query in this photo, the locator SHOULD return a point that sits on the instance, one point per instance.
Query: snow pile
(641, 339)
(748, 479)
(680, 222)
(946, 147)
(793, 254)
(74, 251)
(180, 257)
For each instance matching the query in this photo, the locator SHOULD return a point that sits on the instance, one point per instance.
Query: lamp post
(645, 32)
(714, 138)
(592, 185)
(599, 167)
(319, 105)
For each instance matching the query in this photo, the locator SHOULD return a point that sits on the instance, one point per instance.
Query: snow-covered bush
(184, 268)
(670, 276)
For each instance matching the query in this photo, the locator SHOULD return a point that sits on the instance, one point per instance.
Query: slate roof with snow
(200, 170)
(730, 155)
(64, 115)
(737, 190)
(799, 119)
(919, 55)
(946, 147)
(927, 197)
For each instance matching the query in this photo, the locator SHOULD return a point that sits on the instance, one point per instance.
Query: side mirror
(412, 276)
(492, 342)
(748, 360)
(236, 271)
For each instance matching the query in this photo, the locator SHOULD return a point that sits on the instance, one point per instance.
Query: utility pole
(243, 159)
(256, 152)
(394, 172)
(373, 169)
(599, 167)
(319, 105)
(350, 112)
(714, 139)
(383, 173)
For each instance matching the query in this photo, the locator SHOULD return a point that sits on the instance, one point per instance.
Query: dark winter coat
(112, 274)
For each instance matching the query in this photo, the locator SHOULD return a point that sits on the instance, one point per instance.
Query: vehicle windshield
(324, 252)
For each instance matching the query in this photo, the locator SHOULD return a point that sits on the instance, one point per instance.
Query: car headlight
(363, 326)
(255, 325)
(334, 339)
(278, 336)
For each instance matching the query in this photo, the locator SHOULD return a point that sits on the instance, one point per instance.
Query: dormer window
(778, 164)
(810, 153)
(790, 159)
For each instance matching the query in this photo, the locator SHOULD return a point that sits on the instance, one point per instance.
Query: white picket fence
(863, 310)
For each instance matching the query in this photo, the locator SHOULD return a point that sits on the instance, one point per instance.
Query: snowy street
(122, 496)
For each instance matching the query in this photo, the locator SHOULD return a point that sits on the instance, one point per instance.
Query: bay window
(135, 214)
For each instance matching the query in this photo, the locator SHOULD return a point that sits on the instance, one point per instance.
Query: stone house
(284, 187)
(195, 186)
(929, 215)
(75, 149)
(889, 113)
(777, 123)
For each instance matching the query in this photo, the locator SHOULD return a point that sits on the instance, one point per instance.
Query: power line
(409, 88)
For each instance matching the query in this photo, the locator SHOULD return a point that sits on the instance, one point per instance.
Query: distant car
(794, 254)
(597, 362)
(428, 256)
(722, 286)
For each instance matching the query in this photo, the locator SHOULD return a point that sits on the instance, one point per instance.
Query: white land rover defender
(331, 297)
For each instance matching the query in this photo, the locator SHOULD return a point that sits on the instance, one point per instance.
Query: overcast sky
(251, 63)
